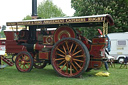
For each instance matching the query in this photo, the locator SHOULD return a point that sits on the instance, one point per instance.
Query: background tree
(3, 27)
(117, 8)
(2, 31)
(47, 9)
(28, 17)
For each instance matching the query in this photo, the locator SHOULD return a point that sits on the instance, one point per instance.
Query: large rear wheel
(70, 57)
(24, 62)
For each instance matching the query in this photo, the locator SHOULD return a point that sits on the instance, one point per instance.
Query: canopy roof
(73, 21)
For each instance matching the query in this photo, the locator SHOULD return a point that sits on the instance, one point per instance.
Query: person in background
(107, 50)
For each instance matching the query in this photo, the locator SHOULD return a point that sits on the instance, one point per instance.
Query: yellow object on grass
(106, 74)
(5, 54)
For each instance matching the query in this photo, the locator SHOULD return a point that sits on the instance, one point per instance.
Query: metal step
(6, 60)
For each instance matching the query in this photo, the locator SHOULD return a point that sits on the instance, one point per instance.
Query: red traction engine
(69, 52)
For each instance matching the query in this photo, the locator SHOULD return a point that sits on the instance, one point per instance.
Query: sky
(16, 10)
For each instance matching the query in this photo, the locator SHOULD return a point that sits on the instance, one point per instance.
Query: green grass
(47, 76)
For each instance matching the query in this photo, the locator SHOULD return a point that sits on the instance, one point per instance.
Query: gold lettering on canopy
(95, 19)
(79, 20)
(53, 21)
(59, 21)
(37, 22)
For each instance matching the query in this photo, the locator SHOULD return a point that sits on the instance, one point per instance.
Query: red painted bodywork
(11, 44)
(95, 48)
(44, 55)
(63, 32)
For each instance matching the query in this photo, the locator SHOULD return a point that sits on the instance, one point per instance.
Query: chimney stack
(34, 9)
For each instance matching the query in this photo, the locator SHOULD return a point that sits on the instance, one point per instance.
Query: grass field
(47, 76)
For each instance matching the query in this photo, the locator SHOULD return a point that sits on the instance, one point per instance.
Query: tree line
(118, 9)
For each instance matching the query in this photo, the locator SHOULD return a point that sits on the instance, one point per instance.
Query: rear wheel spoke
(77, 52)
(71, 48)
(74, 48)
(60, 55)
(63, 66)
(64, 49)
(70, 69)
(61, 51)
(78, 56)
(61, 62)
(67, 68)
(59, 59)
(77, 64)
(74, 67)
(78, 60)
(67, 46)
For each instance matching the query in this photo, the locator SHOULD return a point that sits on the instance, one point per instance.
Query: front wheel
(24, 62)
(70, 57)
(121, 60)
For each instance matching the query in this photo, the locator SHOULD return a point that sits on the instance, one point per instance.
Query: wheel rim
(24, 62)
(121, 60)
(69, 58)
(13, 58)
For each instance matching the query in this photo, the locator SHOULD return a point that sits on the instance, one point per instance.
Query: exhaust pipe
(34, 9)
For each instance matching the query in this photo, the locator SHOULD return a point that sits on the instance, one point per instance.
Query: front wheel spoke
(59, 59)
(62, 62)
(28, 62)
(23, 57)
(77, 64)
(26, 58)
(77, 52)
(78, 60)
(20, 65)
(61, 51)
(28, 65)
(25, 67)
(20, 58)
(63, 66)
